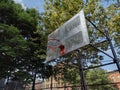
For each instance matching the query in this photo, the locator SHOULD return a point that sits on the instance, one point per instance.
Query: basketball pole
(51, 82)
(51, 85)
(106, 34)
(112, 49)
(81, 72)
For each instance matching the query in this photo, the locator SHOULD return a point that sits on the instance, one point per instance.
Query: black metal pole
(112, 49)
(51, 82)
(34, 78)
(80, 64)
(65, 86)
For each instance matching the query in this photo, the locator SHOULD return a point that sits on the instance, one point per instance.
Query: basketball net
(60, 46)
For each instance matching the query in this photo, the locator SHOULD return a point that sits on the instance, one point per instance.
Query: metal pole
(80, 64)
(65, 86)
(34, 79)
(51, 82)
(112, 49)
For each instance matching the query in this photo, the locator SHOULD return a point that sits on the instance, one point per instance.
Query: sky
(38, 4)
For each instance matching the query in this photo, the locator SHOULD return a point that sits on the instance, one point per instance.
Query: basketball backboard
(70, 36)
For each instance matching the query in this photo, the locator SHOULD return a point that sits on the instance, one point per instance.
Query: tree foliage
(22, 48)
(12, 46)
(98, 79)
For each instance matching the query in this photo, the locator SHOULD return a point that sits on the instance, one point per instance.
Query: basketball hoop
(58, 45)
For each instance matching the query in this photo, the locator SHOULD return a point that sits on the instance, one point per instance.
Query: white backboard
(73, 35)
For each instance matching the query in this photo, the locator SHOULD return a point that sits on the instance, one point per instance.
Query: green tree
(22, 42)
(98, 79)
(12, 46)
